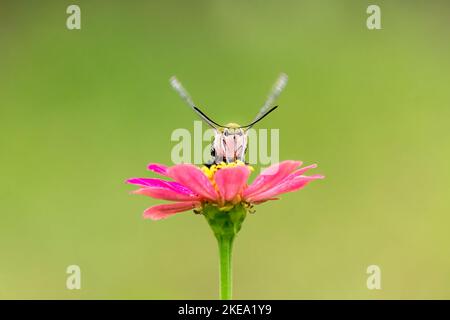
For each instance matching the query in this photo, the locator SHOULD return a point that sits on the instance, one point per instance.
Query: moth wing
(277, 88)
(178, 87)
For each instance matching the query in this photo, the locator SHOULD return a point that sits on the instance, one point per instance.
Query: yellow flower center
(211, 171)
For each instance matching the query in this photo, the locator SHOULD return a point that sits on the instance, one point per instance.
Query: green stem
(225, 250)
(225, 225)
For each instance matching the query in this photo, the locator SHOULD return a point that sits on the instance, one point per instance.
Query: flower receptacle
(225, 224)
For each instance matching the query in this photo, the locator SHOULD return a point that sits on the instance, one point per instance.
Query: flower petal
(158, 168)
(158, 183)
(289, 185)
(301, 171)
(165, 194)
(230, 181)
(166, 210)
(265, 200)
(271, 176)
(194, 179)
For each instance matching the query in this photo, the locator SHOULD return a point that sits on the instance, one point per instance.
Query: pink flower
(224, 185)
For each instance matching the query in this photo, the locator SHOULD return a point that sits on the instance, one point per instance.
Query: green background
(83, 110)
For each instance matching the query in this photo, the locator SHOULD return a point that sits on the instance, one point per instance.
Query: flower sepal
(225, 224)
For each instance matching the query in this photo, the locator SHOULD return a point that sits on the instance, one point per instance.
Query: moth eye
(225, 133)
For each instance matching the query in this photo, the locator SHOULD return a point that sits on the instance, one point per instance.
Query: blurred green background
(83, 110)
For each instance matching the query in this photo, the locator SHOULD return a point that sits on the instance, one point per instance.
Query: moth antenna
(178, 87)
(207, 118)
(259, 119)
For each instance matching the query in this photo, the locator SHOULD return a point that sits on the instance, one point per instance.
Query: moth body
(230, 140)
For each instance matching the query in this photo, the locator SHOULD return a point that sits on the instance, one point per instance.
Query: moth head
(231, 142)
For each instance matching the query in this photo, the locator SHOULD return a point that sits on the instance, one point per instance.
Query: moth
(230, 140)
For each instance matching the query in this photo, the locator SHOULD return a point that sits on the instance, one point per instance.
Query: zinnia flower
(223, 186)
(220, 192)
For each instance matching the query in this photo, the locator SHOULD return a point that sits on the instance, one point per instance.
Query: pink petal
(230, 181)
(194, 179)
(158, 168)
(165, 194)
(158, 183)
(165, 210)
(289, 185)
(301, 171)
(271, 176)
